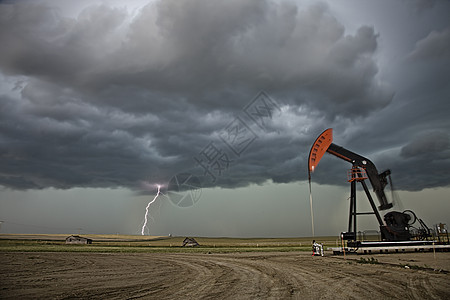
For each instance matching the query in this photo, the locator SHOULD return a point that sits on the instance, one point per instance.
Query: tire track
(210, 276)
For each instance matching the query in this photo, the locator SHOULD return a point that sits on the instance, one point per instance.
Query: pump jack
(396, 225)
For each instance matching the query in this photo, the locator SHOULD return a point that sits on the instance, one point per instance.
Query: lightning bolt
(147, 208)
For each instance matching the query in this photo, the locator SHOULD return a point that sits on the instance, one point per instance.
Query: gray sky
(101, 101)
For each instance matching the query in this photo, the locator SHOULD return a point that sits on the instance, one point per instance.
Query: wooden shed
(190, 242)
(76, 239)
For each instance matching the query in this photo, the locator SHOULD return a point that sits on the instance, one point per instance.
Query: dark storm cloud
(112, 98)
(422, 5)
(433, 47)
(429, 144)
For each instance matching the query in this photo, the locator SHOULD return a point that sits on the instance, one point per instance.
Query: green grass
(125, 248)
(140, 244)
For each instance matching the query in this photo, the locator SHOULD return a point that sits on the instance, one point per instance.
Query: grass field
(142, 244)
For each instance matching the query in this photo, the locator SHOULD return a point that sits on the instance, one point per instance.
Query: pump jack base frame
(391, 247)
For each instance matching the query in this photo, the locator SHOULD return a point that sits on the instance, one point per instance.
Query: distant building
(190, 242)
(76, 239)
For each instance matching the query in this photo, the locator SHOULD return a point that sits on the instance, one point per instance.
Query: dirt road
(221, 276)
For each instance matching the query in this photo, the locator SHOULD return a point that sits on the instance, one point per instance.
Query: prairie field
(124, 267)
(138, 243)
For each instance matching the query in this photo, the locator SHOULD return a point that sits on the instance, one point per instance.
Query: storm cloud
(112, 97)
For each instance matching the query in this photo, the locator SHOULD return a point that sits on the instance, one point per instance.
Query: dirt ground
(273, 275)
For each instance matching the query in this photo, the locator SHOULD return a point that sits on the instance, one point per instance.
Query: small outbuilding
(190, 242)
(76, 239)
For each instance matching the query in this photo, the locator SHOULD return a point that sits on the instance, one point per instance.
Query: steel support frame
(352, 224)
